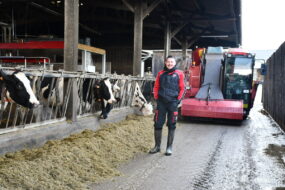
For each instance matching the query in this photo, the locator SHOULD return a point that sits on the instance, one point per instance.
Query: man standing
(168, 91)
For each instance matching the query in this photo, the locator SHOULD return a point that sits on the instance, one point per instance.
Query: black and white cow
(86, 95)
(139, 102)
(104, 92)
(49, 90)
(51, 96)
(52, 91)
(19, 89)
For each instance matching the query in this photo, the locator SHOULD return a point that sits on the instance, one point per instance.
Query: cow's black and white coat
(51, 96)
(18, 98)
(52, 91)
(86, 95)
(104, 92)
(19, 89)
(139, 102)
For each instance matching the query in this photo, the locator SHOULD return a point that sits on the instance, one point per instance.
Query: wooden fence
(274, 86)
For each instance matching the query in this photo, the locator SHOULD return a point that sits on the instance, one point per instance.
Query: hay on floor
(73, 162)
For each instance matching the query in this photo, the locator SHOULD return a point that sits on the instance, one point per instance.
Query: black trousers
(164, 110)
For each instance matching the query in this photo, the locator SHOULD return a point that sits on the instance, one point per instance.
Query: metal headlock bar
(53, 109)
(69, 74)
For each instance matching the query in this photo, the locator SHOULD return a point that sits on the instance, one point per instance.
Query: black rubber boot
(169, 142)
(157, 138)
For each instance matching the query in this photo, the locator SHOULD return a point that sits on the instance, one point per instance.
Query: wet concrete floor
(212, 156)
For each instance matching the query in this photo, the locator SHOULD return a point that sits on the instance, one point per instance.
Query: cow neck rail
(53, 88)
(68, 74)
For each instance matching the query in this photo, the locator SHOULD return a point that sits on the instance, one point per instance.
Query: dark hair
(170, 56)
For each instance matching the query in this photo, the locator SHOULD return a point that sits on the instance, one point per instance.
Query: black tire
(245, 114)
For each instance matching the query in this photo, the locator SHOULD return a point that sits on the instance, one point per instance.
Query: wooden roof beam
(177, 40)
(131, 8)
(191, 42)
(203, 19)
(3, 24)
(148, 10)
(61, 15)
(178, 29)
(46, 9)
(196, 4)
(114, 5)
(151, 7)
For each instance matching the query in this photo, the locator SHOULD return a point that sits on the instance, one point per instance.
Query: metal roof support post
(140, 11)
(104, 64)
(142, 69)
(4, 34)
(84, 61)
(9, 34)
(138, 31)
(192, 41)
(167, 39)
(184, 49)
(71, 20)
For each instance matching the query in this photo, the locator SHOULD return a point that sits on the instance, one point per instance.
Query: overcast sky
(263, 24)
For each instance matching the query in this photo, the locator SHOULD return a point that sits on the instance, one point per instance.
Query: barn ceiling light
(55, 2)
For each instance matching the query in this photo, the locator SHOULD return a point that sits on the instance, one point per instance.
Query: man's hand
(178, 103)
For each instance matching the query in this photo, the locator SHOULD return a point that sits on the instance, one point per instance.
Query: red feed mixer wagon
(220, 84)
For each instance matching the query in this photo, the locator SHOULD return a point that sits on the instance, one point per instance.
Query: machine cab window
(238, 76)
(239, 65)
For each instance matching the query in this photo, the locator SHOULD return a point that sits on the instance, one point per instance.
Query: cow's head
(19, 89)
(107, 91)
(116, 88)
(52, 90)
(140, 102)
(147, 109)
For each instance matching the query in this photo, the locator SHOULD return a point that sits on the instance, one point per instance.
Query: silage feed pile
(76, 161)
